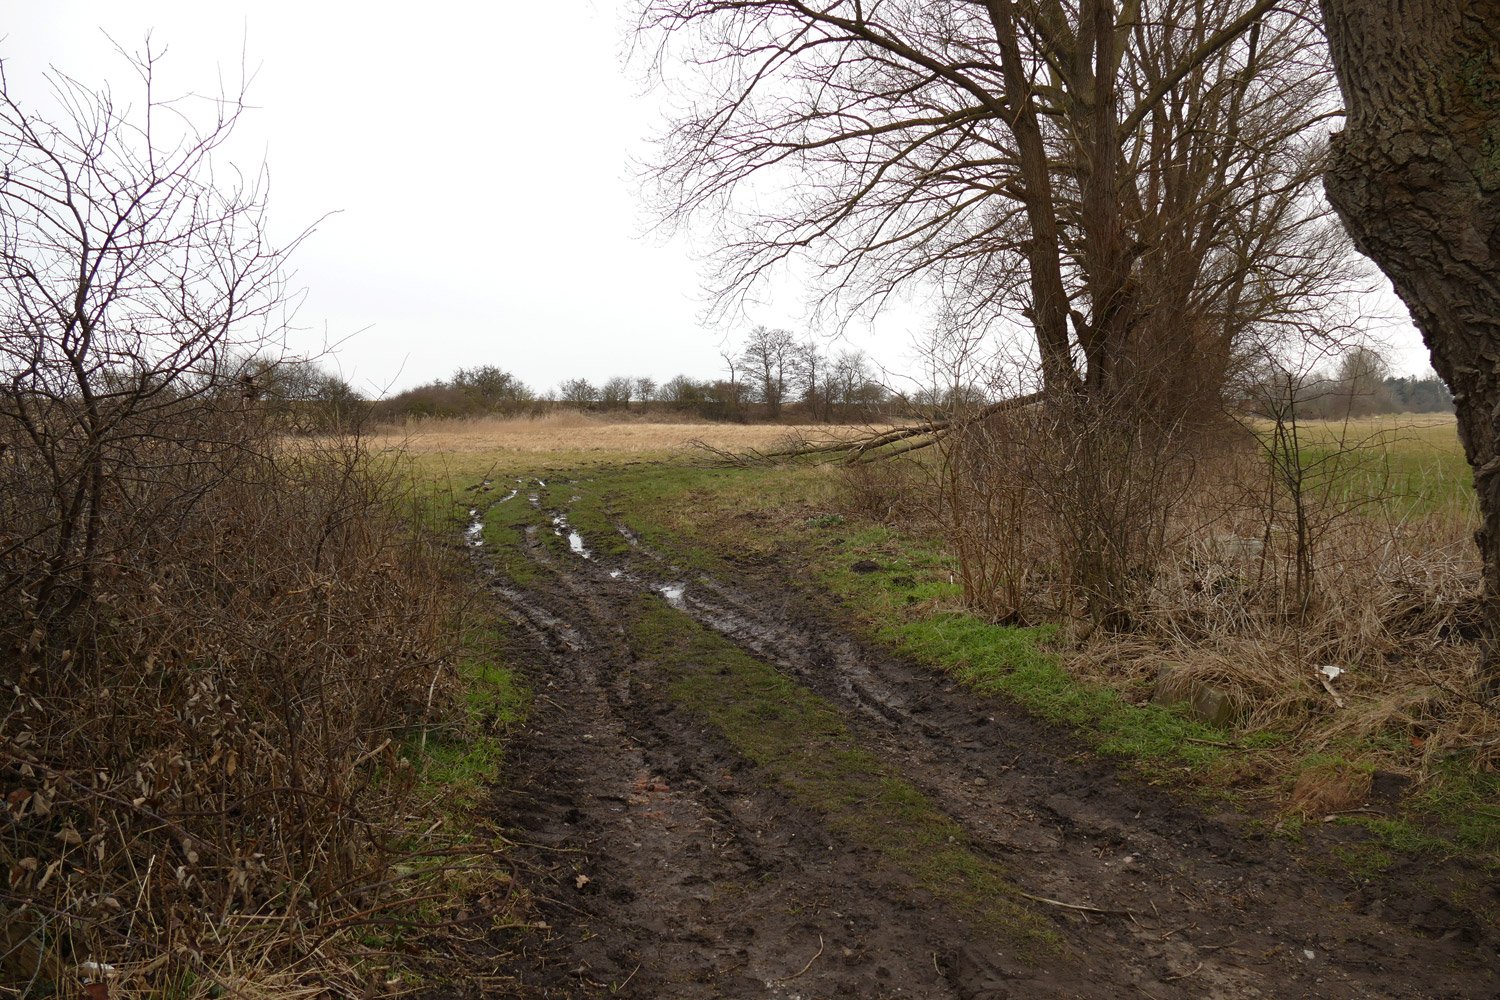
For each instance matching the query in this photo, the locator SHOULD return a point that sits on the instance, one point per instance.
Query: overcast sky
(477, 157)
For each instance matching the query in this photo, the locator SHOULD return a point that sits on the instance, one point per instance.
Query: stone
(1201, 701)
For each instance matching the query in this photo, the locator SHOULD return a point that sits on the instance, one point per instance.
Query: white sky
(477, 157)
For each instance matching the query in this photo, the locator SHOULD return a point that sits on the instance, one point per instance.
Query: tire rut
(698, 881)
(670, 872)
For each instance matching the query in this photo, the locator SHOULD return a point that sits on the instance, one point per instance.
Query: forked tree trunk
(1415, 176)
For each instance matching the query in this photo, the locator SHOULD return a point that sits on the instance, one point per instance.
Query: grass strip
(807, 748)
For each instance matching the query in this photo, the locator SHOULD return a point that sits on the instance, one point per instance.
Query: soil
(665, 865)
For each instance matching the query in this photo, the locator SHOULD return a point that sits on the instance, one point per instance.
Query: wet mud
(666, 865)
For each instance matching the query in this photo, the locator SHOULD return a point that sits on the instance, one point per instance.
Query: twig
(1086, 908)
(1337, 701)
(616, 989)
(1173, 979)
(810, 961)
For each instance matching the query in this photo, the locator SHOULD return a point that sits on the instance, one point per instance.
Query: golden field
(519, 445)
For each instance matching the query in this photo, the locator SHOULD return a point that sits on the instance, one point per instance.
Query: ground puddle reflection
(562, 529)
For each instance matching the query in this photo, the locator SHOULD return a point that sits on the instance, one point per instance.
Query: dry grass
(595, 438)
(1392, 607)
(1361, 647)
(454, 453)
(204, 753)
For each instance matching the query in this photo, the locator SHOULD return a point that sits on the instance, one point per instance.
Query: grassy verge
(461, 760)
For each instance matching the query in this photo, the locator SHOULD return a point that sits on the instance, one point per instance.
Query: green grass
(995, 660)
(460, 761)
(1466, 801)
(807, 748)
(1391, 467)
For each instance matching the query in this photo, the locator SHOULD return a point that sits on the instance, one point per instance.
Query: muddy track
(675, 869)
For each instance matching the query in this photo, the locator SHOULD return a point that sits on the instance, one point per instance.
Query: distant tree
(724, 400)
(616, 392)
(681, 392)
(645, 388)
(726, 396)
(577, 392)
(1359, 382)
(333, 402)
(491, 388)
(849, 374)
(809, 376)
(1419, 395)
(770, 357)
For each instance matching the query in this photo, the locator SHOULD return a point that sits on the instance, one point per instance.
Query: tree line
(771, 375)
(774, 376)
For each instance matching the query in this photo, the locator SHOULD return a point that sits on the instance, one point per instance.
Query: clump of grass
(1327, 786)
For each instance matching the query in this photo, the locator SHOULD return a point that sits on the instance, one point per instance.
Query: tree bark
(1415, 175)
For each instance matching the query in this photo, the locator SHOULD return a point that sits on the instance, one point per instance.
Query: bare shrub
(212, 643)
(202, 764)
(989, 508)
(890, 493)
(1053, 508)
(1373, 636)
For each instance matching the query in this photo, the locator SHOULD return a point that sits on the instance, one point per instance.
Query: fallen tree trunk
(878, 446)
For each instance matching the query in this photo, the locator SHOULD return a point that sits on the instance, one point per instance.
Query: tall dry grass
(576, 433)
(1346, 618)
(1377, 650)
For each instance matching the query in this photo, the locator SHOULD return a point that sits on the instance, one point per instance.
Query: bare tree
(616, 392)
(644, 388)
(137, 288)
(1360, 381)
(729, 396)
(1127, 177)
(492, 388)
(771, 358)
(1415, 176)
(1129, 183)
(681, 391)
(809, 374)
(578, 392)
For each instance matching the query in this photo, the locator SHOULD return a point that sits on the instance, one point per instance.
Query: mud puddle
(474, 529)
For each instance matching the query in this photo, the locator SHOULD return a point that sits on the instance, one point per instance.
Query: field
(749, 720)
(576, 441)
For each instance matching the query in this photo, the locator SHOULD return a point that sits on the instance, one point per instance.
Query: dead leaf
(581, 880)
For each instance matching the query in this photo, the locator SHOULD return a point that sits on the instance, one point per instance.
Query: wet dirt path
(676, 867)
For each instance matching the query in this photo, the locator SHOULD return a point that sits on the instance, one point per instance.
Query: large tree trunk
(1415, 176)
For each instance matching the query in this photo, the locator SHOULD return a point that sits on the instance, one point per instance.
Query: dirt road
(686, 856)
